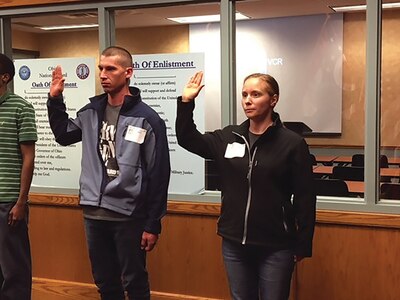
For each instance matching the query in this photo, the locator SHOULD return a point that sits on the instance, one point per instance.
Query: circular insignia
(24, 73)
(82, 71)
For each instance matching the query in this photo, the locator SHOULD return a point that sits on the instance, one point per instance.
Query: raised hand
(57, 82)
(193, 87)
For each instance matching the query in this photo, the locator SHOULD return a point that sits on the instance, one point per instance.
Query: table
(394, 161)
(355, 187)
(325, 159)
(345, 159)
(328, 170)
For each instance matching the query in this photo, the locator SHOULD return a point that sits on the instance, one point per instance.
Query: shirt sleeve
(27, 131)
(304, 200)
(157, 164)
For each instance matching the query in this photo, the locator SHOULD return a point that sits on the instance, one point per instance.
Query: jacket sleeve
(187, 134)
(304, 200)
(157, 168)
(66, 131)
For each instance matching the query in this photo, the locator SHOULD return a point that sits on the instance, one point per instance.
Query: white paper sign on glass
(161, 78)
(55, 165)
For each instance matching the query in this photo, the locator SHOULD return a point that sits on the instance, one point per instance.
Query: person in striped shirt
(17, 153)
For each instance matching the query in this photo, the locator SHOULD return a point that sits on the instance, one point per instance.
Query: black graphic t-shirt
(107, 140)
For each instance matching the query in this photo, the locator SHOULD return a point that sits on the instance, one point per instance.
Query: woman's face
(256, 102)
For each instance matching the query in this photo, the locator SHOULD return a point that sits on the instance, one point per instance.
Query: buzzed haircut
(7, 66)
(126, 57)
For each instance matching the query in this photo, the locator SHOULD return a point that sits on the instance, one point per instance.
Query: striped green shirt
(17, 124)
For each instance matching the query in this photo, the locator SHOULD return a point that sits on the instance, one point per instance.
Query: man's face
(4, 78)
(113, 75)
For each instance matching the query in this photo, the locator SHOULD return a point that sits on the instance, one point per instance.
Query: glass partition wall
(328, 64)
(317, 53)
(323, 59)
(167, 51)
(69, 39)
(152, 35)
(389, 107)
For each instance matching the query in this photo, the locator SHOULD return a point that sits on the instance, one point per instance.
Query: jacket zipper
(251, 160)
(102, 162)
(284, 220)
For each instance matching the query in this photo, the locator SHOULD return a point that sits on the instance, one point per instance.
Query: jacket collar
(243, 128)
(100, 101)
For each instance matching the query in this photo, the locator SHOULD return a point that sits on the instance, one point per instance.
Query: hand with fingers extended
(57, 82)
(193, 87)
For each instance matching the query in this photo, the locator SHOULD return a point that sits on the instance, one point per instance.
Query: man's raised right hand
(57, 82)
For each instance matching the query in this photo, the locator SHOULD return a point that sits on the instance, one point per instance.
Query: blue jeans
(118, 262)
(15, 257)
(256, 272)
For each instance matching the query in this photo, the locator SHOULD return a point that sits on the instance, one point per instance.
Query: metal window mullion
(6, 41)
(106, 20)
(5, 36)
(228, 62)
(372, 100)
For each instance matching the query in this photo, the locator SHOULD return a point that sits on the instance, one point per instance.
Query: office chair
(348, 173)
(390, 191)
(383, 161)
(331, 187)
(357, 160)
(213, 179)
(313, 159)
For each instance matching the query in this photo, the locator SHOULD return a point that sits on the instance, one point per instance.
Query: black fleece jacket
(257, 184)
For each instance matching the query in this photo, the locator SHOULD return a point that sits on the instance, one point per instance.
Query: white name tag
(235, 150)
(135, 134)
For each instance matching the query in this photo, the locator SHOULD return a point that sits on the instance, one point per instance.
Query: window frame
(106, 33)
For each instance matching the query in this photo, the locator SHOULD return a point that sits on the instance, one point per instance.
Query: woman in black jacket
(268, 202)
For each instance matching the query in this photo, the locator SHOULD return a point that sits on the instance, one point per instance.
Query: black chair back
(213, 179)
(383, 161)
(348, 173)
(331, 187)
(357, 160)
(390, 191)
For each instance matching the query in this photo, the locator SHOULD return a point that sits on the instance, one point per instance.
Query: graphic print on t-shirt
(107, 149)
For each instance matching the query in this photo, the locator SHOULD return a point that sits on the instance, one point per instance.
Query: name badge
(135, 134)
(235, 150)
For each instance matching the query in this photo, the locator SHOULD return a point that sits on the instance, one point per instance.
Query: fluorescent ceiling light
(62, 27)
(363, 7)
(204, 19)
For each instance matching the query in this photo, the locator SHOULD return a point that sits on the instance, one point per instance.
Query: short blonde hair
(272, 84)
